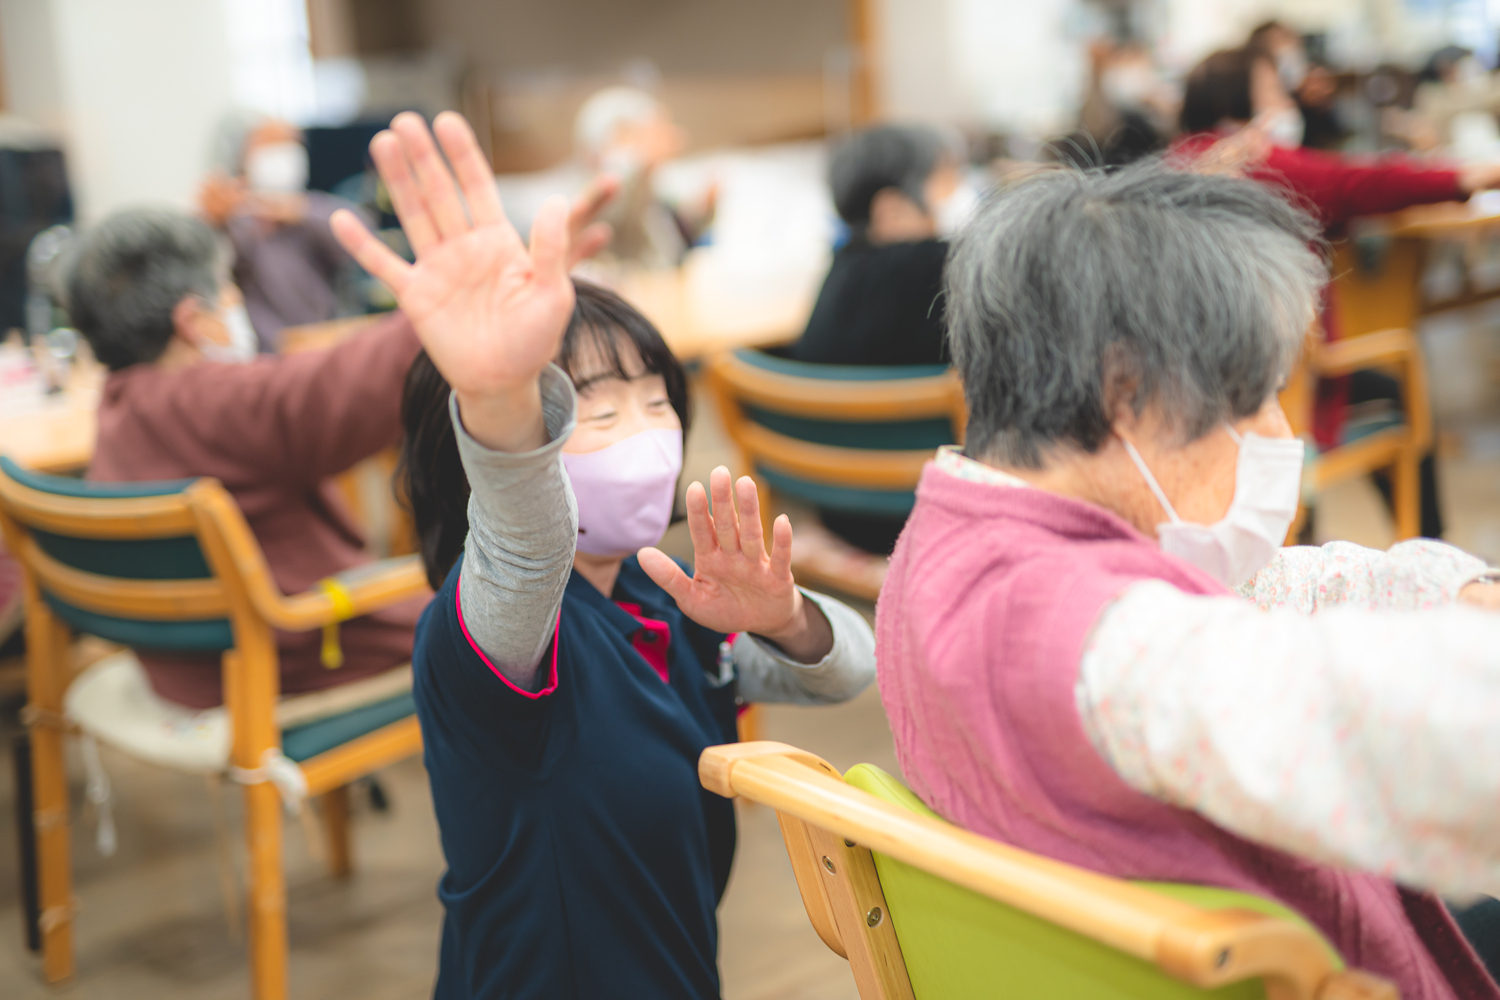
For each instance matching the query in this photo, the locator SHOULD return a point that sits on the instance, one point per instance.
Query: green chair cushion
(204, 636)
(1356, 430)
(891, 503)
(837, 373)
(958, 944)
(305, 742)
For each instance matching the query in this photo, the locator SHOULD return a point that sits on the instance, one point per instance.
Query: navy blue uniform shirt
(584, 858)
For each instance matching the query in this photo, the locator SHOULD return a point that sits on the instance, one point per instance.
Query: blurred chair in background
(850, 440)
(921, 908)
(174, 566)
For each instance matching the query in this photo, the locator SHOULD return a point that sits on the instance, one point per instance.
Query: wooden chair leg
(267, 892)
(336, 822)
(31, 907)
(1406, 495)
(48, 641)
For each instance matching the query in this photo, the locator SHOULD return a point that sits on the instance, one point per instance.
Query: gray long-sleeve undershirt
(523, 528)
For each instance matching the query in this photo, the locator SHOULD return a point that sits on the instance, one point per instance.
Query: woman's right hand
(489, 310)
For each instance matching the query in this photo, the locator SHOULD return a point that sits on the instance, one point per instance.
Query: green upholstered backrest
(925, 434)
(179, 558)
(958, 944)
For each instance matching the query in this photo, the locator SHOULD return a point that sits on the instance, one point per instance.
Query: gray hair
(1075, 292)
(888, 156)
(126, 275)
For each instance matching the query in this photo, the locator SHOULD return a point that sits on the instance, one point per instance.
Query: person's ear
(188, 321)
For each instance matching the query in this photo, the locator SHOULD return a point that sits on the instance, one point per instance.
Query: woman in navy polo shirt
(566, 686)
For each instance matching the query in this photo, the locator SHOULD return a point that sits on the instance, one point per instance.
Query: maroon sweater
(272, 431)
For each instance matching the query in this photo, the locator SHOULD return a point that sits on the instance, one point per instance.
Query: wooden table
(59, 436)
(1389, 294)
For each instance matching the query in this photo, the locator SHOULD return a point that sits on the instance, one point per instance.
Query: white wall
(134, 89)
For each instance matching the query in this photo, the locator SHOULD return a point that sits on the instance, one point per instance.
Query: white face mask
(1285, 128)
(243, 344)
(956, 209)
(1291, 66)
(1267, 486)
(1128, 86)
(277, 168)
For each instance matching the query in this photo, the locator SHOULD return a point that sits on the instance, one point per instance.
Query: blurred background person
(1310, 84)
(187, 396)
(286, 261)
(900, 191)
(1129, 109)
(1233, 86)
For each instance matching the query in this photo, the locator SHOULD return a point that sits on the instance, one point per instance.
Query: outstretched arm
(490, 312)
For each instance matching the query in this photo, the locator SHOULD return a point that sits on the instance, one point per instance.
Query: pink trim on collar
(533, 695)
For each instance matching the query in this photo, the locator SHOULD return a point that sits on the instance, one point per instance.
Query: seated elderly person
(286, 261)
(150, 290)
(1091, 644)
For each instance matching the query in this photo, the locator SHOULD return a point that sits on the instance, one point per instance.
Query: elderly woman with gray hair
(1091, 643)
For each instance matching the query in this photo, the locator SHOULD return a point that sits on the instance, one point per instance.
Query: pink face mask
(625, 492)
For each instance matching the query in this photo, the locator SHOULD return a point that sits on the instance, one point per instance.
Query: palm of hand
(484, 312)
(736, 592)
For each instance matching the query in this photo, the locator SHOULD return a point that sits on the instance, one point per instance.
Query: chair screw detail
(874, 917)
(828, 863)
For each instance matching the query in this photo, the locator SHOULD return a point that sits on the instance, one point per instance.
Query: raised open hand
(736, 586)
(489, 310)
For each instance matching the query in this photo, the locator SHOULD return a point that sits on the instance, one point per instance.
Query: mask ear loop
(1140, 465)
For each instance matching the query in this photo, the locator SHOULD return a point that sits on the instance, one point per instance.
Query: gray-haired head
(1074, 293)
(127, 274)
(888, 156)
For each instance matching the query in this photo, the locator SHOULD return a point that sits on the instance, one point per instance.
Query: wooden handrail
(1207, 948)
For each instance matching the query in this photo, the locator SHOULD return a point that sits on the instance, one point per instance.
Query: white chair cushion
(113, 701)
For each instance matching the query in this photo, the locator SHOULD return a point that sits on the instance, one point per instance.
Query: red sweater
(273, 432)
(1336, 189)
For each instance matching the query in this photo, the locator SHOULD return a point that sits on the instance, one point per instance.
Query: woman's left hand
(736, 586)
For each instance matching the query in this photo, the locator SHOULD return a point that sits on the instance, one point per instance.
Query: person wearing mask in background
(188, 396)
(286, 262)
(1128, 112)
(628, 134)
(899, 190)
(1224, 93)
(1454, 105)
(1312, 86)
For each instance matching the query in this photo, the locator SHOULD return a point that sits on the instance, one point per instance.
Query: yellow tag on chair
(343, 608)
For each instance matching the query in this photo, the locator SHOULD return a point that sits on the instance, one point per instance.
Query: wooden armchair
(174, 566)
(840, 437)
(1396, 445)
(923, 909)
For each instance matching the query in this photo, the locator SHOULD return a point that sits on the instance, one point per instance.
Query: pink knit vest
(981, 625)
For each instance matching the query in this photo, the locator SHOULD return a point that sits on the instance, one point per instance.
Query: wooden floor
(151, 923)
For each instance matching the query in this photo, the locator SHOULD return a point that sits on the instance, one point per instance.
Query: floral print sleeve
(1358, 737)
(1410, 576)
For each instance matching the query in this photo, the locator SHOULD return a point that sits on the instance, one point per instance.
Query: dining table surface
(57, 434)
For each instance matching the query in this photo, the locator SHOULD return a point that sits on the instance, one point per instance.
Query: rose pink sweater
(980, 630)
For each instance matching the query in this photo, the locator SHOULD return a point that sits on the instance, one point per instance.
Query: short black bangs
(602, 323)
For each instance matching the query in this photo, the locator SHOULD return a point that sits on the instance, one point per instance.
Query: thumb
(665, 573)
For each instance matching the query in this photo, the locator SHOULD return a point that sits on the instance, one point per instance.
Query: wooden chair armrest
(1207, 948)
(368, 588)
(1340, 357)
